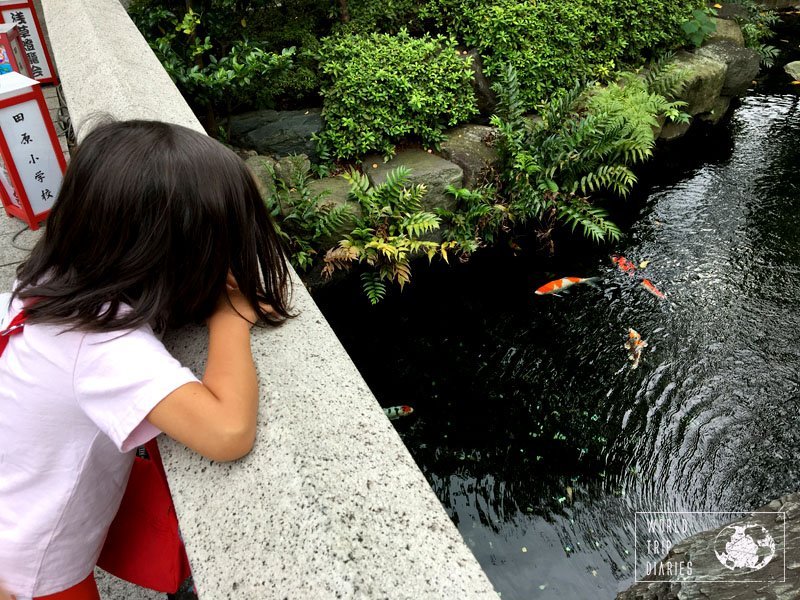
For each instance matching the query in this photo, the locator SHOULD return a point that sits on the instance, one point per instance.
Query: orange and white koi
(559, 285)
(634, 346)
(624, 264)
(648, 285)
(395, 412)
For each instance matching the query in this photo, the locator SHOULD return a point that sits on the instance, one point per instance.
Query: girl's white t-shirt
(72, 410)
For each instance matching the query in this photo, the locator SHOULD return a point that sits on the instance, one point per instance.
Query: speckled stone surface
(330, 503)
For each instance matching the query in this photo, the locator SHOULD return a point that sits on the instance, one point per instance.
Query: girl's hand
(233, 303)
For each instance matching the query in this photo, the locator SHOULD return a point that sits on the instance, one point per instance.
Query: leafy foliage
(699, 26)
(756, 27)
(215, 67)
(304, 220)
(551, 43)
(382, 88)
(389, 233)
(476, 220)
(583, 143)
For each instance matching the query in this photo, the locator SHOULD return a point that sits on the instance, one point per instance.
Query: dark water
(530, 426)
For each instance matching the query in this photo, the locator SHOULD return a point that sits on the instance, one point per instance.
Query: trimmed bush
(552, 43)
(379, 89)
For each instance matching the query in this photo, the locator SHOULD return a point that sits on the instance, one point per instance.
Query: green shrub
(379, 89)
(583, 143)
(210, 59)
(699, 26)
(551, 43)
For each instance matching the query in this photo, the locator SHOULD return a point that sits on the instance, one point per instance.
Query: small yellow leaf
(643, 264)
(718, 6)
(374, 165)
(795, 82)
(524, 549)
(244, 22)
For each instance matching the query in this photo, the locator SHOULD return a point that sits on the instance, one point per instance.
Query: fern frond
(373, 286)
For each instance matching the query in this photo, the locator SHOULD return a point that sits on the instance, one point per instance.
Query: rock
(775, 581)
(793, 70)
(487, 101)
(731, 11)
(468, 147)
(672, 131)
(715, 114)
(703, 77)
(292, 169)
(742, 63)
(279, 133)
(433, 171)
(335, 191)
(727, 30)
(261, 168)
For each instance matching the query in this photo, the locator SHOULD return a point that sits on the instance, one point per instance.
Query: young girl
(155, 226)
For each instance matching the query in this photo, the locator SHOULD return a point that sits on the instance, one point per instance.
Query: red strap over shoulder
(16, 325)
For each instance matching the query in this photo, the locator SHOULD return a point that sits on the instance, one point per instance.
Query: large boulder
(469, 146)
(426, 168)
(730, 11)
(777, 580)
(335, 191)
(487, 101)
(793, 70)
(715, 115)
(262, 168)
(742, 63)
(278, 133)
(672, 131)
(727, 30)
(703, 81)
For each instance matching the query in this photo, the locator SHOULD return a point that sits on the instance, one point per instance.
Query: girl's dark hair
(153, 216)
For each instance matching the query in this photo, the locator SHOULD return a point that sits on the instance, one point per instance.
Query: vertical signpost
(22, 14)
(32, 162)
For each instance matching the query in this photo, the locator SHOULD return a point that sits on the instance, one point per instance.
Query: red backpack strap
(16, 325)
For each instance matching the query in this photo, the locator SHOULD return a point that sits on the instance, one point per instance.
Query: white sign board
(29, 37)
(33, 154)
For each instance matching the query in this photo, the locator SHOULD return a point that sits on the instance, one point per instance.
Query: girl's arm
(217, 418)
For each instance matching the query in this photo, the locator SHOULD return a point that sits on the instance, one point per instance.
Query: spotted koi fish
(634, 346)
(395, 412)
(623, 263)
(648, 285)
(559, 285)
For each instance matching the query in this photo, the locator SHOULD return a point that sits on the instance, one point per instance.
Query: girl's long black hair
(153, 216)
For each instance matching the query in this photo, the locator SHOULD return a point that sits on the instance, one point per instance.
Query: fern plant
(304, 220)
(477, 219)
(389, 233)
(583, 143)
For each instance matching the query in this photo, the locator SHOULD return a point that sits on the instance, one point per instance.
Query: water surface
(530, 426)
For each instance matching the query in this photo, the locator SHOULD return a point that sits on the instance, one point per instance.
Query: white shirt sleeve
(118, 379)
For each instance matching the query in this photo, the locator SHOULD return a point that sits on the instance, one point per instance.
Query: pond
(538, 438)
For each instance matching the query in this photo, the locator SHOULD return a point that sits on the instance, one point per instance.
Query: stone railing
(329, 504)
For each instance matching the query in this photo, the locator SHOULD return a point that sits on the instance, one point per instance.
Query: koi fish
(559, 285)
(623, 263)
(634, 346)
(648, 285)
(395, 412)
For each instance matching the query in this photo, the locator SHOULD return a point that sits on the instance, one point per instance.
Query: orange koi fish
(559, 285)
(623, 263)
(395, 412)
(648, 285)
